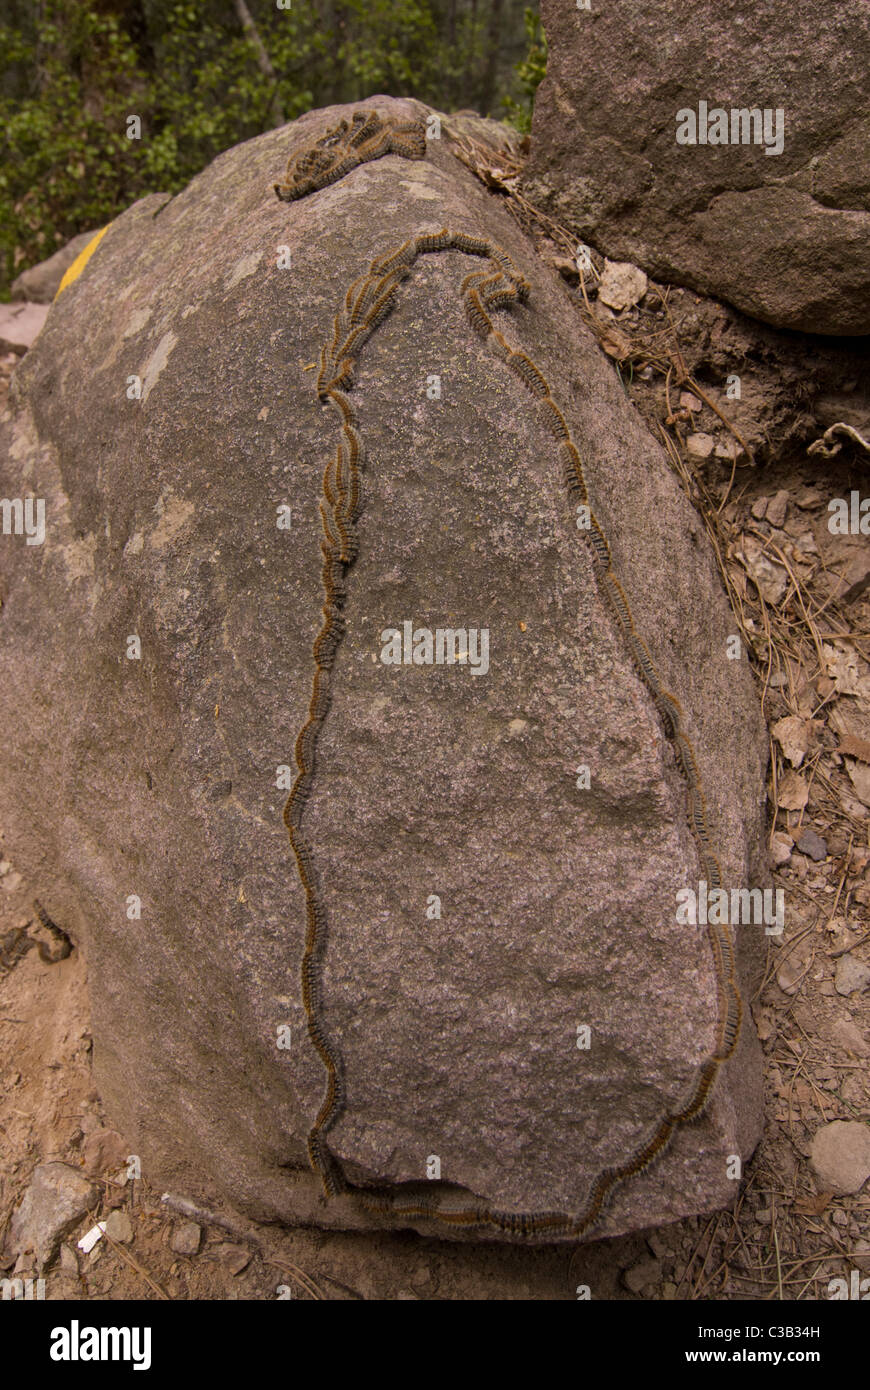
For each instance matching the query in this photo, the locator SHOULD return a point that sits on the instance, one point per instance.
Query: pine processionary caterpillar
(340, 403)
(601, 550)
(475, 314)
(433, 241)
(554, 419)
(343, 148)
(405, 256)
(533, 379)
(472, 245)
(368, 126)
(408, 140)
(498, 346)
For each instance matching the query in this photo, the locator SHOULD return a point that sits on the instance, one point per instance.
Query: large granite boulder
(485, 906)
(779, 228)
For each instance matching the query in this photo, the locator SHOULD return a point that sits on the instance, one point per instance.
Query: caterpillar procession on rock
(365, 307)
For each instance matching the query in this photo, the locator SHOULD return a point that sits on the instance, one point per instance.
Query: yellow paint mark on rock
(74, 271)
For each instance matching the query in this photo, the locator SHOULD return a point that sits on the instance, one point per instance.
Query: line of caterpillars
(367, 303)
(344, 147)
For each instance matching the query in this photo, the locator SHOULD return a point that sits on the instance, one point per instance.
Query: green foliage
(531, 72)
(75, 70)
(62, 160)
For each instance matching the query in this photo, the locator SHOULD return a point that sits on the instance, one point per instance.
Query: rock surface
(785, 237)
(56, 1199)
(152, 781)
(40, 283)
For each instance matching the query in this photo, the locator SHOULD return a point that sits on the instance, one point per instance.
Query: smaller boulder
(840, 1156)
(40, 283)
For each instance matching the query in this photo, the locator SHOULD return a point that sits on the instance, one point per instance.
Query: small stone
(759, 507)
(792, 971)
(851, 975)
(622, 285)
(643, 1273)
(763, 1216)
(566, 268)
(805, 543)
(234, 1258)
(56, 1199)
(12, 882)
(658, 1247)
(103, 1149)
(119, 1227)
(840, 1218)
(669, 1290)
(689, 402)
(849, 1036)
(765, 1024)
(186, 1238)
(810, 843)
(840, 1156)
(770, 578)
(777, 507)
(854, 579)
(780, 848)
(810, 497)
(68, 1262)
(729, 449)
(700, 446)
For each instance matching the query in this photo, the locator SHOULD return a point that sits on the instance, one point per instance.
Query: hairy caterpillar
(534, 380)
(433, 241)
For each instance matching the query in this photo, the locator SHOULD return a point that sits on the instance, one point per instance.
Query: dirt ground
(801, 598)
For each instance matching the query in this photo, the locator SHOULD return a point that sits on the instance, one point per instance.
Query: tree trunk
(490, 62)
(264, 63)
